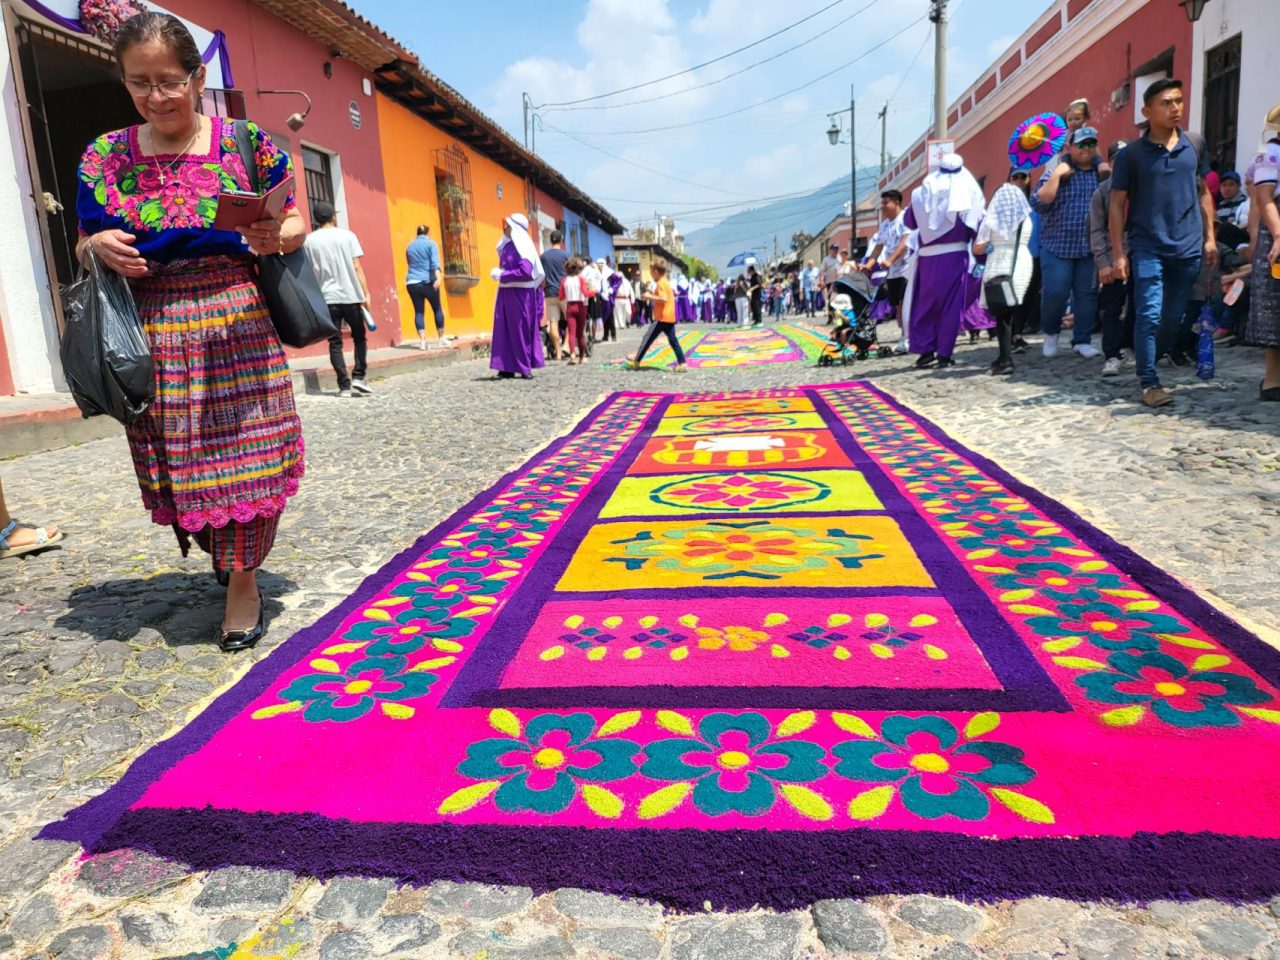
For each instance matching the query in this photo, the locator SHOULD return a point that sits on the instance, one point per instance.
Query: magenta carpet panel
(761, 647)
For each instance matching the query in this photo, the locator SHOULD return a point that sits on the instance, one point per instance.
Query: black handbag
(1001, 296)
(288, 284)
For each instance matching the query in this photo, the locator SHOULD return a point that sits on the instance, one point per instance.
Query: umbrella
(745, 259)
(1037, 140)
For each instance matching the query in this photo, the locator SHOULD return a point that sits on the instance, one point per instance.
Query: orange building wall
(408, 159)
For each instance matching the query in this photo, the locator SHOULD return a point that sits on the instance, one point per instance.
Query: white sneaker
(1126, 359)
(359, 386)
(1086, 350)
(345, 394)
(1050, 347)
(1112, 367)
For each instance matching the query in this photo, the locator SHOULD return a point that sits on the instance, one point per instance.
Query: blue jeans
(1063, 279)
(1161, 289)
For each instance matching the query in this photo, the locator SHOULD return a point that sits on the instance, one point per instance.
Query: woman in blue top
(423, 284)
(220, 450)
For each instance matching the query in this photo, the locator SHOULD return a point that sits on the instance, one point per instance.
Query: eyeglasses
(168, 89)
(1088, 144)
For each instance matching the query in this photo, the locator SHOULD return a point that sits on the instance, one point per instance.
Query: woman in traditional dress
(517, 348)
(946, 210)
(220, 450)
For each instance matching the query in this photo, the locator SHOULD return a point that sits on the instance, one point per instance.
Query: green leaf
(663, 801)
(871, 803)
(619, 722)
(504, 721)
(1210, 661)
(1024, 806)
(1079, 663)
(466, 798)
(263, 713)
(1258, 713)
(855, 725)
(151, 213)
(602, 802)
(674, 722)
(797, 723)
(1123, 716)
(807, 803)
(981, 723)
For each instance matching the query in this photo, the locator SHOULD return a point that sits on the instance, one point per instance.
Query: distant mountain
(756, 228)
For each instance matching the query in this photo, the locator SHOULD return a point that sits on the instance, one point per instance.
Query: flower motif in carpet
(934, 769)
(332, 693)
(731, 637)
(1058, 581)
(734, 764)
(1196, 696)
(545, 765)
(761, 549)
(1136, 626)
(741, 492)
(1016, 539)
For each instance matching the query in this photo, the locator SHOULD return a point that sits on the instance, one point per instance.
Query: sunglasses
(1088, 144)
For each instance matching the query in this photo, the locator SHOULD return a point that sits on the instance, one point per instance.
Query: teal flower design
(544, 767)
(733, 764)
(935, 771)
(1057, 581)
(410, 630)
(351, 693)
(1010, 538)
(1179, 695)
(476, 554)
(1107, 626)
(448, 588)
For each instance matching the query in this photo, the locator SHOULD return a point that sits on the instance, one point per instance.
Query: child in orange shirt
(664, 318)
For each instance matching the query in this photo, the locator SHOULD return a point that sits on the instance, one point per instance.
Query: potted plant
(458, 278)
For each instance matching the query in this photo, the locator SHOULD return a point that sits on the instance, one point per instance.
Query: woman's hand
(263, 236)
(1274, 255)
(115, 249)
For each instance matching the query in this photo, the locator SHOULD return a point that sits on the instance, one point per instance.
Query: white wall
(1259, 27)
(26, 306)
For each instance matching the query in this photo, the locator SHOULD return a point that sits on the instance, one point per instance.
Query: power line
(752, 106)
(914, 59)
(641, 166)
(680, 73)
(730, 76)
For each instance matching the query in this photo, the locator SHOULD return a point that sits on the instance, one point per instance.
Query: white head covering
(948, 193)
(1008, 209)
(519, 224)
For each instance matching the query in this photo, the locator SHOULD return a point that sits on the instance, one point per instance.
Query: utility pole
(884, 123)
(938, 15)
(524, 102)
(853, 176)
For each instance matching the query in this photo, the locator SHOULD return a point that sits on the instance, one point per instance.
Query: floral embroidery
(1177, 694)
(343, 695)
(1107, 626)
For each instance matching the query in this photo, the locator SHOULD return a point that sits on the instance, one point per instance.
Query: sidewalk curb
(59, 424)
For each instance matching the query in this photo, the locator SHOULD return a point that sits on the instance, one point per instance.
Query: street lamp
(833, 135)
(1194, 9)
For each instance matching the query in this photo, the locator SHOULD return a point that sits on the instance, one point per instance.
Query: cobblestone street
(106, 647)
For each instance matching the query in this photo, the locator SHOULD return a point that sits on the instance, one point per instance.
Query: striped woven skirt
(220, 450)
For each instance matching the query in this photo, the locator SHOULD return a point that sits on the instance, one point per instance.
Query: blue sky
(570, 49)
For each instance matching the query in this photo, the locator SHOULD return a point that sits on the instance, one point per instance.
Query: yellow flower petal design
(346, 647)
(855, 725)
(1210, 661)
(396, 711)
(552, 653)
(433, 664)
(504, 721)
(325, 665)
(797, 723)
(663, 801)
(981, 723)
(807, 803)
(1123, 716)
(871, 803)
(1025, 807)
(619, 722)
(601, 802)
(462, 800)
(276, 709)
(675, 722)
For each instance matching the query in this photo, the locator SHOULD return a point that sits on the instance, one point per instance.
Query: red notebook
(237, 209)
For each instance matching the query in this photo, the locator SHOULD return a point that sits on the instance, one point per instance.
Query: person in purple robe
(517, 346)
(976, 317)
(684, 308)
(707, 302)
(718, 312)
(946, 210)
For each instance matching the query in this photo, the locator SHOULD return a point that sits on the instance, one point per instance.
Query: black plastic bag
(105, 354)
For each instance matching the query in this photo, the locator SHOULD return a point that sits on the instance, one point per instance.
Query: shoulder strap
(1198, 143)
(248, 153)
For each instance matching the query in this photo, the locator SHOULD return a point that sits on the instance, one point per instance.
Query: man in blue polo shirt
(1159, 198)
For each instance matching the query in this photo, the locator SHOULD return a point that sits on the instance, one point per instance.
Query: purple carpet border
(863, 862)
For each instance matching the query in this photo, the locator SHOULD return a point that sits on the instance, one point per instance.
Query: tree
(693, 267)
(800, 240)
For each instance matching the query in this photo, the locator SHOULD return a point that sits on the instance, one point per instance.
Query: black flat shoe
(232, 640)
(506, 375)
(224, 577)
(1268, 394)
(945, 362)
(926, 361)
(1001, 368)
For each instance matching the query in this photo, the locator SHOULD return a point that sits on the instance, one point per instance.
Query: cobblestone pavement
(105, 647)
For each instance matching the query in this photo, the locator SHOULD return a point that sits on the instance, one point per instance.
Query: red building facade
(1102, 50)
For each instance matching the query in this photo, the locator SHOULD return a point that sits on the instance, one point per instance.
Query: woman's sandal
(232, 640)
(43, 540)
(1268, 394)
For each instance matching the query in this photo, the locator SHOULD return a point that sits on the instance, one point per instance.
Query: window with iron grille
(457, 212)
(319, 174)
(1222, 101)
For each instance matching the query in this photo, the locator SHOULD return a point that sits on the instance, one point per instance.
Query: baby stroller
(852, 297)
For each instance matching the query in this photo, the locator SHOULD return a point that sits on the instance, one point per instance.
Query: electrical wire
(737, 73)
(761, 103)
(699, 66)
